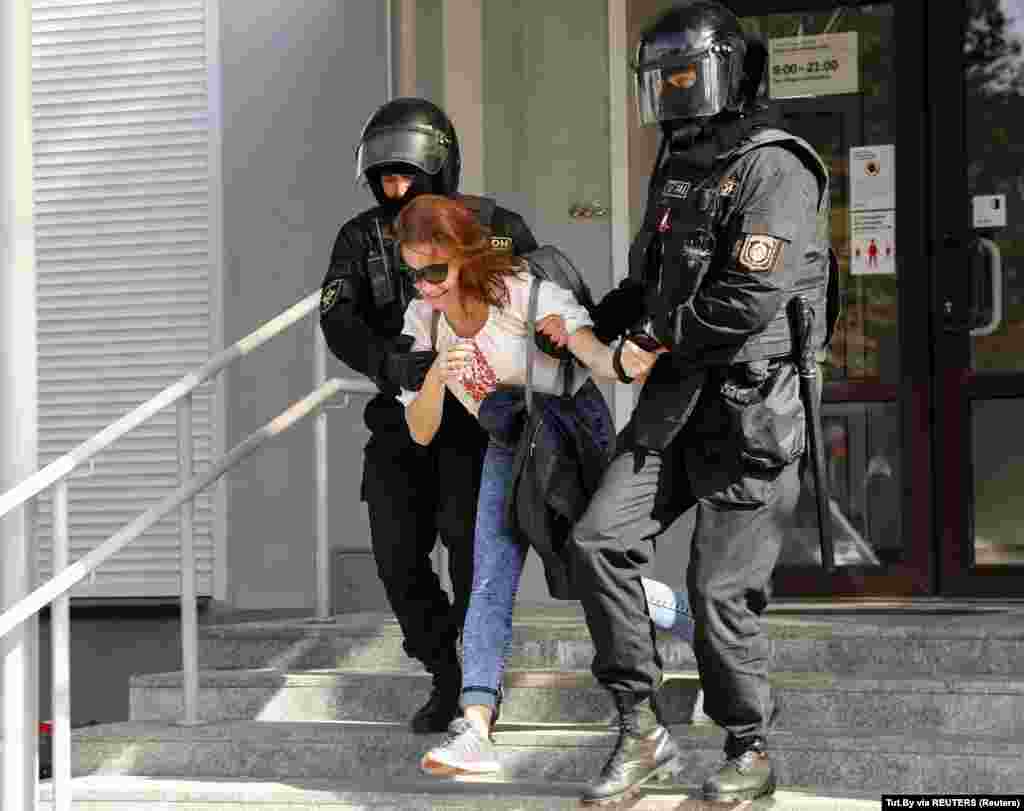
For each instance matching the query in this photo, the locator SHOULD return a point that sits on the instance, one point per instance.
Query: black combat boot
(443, 705)
(746, 775)
(644, 751)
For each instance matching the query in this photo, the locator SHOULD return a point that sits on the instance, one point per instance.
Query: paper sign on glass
(819, 65)
(872, 242)
(872, 177)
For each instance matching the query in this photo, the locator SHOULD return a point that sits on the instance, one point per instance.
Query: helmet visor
(424, 148)
(696, 86)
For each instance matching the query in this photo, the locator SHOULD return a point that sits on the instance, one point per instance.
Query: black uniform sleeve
(775, 209)
(344, 297)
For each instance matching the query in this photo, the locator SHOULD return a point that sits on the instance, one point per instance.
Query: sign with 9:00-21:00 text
(818, 65)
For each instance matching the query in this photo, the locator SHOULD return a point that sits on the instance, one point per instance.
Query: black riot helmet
(690, 64)
(409, 136)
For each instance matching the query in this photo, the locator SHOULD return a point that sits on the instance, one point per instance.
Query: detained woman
(473, 310)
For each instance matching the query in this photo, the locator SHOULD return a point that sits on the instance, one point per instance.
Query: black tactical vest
(683, 238)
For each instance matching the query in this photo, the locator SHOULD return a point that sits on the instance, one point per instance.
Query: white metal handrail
(61, 467)
(56, 474)
(71, 575)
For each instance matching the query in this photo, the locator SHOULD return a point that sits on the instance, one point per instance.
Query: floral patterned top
(500, 345)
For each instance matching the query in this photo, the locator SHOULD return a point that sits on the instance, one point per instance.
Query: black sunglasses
(435, 274)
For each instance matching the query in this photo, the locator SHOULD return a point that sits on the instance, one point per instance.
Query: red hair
(452, 225)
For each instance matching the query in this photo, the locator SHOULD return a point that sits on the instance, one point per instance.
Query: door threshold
(909, 605)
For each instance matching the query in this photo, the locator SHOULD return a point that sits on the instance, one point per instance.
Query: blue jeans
(498, 557)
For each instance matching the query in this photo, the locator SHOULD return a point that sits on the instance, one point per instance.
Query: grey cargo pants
(742, 513)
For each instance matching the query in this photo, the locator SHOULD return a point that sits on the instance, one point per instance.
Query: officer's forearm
(354, 343)
(593, 354)
(725, 315)
(423, 414)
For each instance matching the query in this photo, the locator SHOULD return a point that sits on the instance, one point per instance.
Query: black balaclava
(422, 183)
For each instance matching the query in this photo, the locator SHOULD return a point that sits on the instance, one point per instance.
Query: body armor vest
(683, 237)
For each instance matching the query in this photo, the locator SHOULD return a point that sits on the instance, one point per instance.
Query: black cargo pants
(737, 465)
(414, 493)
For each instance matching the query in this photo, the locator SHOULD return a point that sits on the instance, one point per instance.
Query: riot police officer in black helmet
(409, 147)
(736, 229)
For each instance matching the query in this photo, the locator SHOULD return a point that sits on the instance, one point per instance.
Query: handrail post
(323, 564)
(19, 652)
(189, 619)
(60, 642)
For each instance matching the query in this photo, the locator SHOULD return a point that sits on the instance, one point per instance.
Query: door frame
(957, 384)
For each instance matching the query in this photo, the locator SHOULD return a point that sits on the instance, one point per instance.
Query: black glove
(407, 369)
(547, 346)
(620, 310)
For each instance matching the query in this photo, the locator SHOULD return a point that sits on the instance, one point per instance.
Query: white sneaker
(463, 751)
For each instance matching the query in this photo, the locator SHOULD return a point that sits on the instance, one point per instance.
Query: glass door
(849, 79)
(978, 267)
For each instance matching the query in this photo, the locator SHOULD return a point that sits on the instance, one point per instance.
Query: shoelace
(456, 730)
(627, 726)
(743, 762)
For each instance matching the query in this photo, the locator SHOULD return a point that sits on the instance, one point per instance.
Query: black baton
(801, 319)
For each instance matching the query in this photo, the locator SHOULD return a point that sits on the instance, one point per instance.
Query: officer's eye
(683, 79)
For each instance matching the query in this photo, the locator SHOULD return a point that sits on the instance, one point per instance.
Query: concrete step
(884, 702)
(841, 760)
(969, 642)
(534, 696)
(103, 793)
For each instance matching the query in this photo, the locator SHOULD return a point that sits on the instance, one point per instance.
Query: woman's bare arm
(423, 414)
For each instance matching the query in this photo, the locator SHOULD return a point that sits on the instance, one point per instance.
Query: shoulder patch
(501, 244)
(758, 253)
(329, 295)
(728, 186)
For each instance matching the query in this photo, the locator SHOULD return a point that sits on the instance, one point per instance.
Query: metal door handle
(995, 267)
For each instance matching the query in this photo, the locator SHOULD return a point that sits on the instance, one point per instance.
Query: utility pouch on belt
(768, 418)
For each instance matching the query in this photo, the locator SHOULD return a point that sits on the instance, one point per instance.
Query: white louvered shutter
(120, 124)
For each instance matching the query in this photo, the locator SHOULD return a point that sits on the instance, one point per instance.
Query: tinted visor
(694, 86)
(689, 43)
(422, 147)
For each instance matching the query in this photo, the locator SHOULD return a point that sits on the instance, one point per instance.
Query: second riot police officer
(409, 147)
(736, 229)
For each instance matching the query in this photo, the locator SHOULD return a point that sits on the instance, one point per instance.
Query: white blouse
(500, 345)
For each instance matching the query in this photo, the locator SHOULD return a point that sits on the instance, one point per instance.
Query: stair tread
(552, 677)
(418, 793)
(534, 735)
(945, 621)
